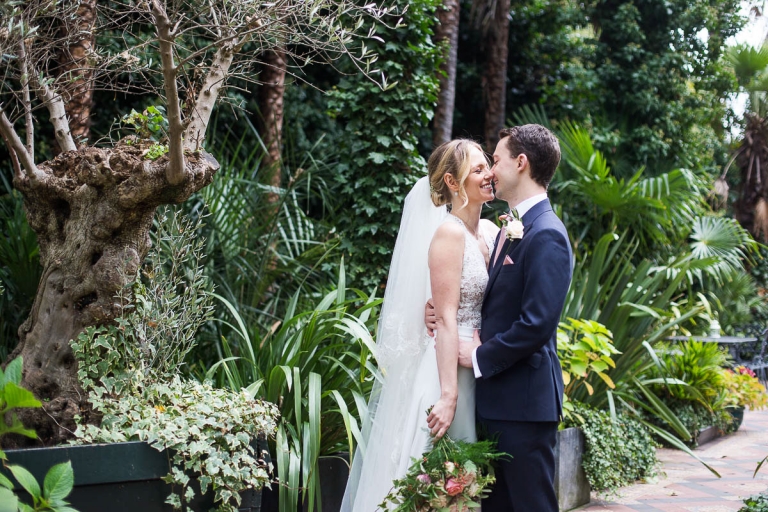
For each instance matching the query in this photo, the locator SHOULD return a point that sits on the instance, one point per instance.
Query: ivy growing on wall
(379, 161)
(617, 453)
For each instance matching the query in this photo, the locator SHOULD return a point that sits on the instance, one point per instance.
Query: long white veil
(400, 343)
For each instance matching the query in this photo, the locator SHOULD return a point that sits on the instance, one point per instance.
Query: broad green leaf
(5, 482)
(58, 482)
(27, 481)
(13, 371)
(8, 500)
(16, 396)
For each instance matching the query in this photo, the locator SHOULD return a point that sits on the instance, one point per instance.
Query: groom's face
(505, 170)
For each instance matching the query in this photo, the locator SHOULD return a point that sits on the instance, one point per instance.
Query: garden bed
(119, 477)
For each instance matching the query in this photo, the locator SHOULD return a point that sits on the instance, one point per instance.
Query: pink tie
(502, 237)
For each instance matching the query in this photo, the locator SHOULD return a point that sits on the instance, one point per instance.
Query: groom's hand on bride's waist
(430, 319)
(466, 348)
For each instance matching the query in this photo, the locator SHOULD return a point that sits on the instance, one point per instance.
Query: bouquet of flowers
(452, 477)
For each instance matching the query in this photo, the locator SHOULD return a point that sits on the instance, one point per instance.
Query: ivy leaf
(378, 158)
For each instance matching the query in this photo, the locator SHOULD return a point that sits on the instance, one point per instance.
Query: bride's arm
(446, 255)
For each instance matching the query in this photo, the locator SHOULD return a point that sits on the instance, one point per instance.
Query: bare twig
(175, 170)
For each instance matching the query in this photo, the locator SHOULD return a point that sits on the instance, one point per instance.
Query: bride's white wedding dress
(395, 430)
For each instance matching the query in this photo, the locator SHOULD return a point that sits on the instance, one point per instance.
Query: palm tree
(751, 156)
(73, 63)
(447, 33)
(492, 16)
(271, 95)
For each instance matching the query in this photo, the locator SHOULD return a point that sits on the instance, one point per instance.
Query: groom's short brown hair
(539, 145)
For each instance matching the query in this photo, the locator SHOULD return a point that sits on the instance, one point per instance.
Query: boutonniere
(513, 226)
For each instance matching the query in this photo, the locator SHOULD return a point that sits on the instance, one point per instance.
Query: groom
(519, 381)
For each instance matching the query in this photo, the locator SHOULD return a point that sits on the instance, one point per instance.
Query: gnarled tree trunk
(446, 31)
(92, 210)
(495, 79)
(750, 208)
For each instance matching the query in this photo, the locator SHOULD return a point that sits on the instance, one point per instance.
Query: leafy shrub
(583, 347)
(696, 416)
(617, 452)
(208, 432)
(744, 389)
(131, 371)
(757, 503)
(699, 365)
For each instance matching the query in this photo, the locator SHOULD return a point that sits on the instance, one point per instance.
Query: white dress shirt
(522, 209)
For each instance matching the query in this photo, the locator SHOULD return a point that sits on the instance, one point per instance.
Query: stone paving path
(684, 485)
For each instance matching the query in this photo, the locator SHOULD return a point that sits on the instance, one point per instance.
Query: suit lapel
(509, 246)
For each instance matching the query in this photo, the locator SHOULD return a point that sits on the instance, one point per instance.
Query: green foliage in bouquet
(452, 476)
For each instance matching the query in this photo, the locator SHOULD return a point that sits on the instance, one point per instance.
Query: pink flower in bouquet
(424, 479)
(467, 478)
(453, 487)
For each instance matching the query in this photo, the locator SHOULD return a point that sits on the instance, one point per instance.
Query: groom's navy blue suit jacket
(522, 379)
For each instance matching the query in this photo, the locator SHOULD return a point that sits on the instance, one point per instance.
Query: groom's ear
(522, 162)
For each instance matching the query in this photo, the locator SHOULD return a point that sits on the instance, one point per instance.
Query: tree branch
(174, 173)
(25, 97)
(58, 114)
(206, 99)
(13, 140)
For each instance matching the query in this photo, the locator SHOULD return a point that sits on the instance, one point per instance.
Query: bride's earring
(456, 193)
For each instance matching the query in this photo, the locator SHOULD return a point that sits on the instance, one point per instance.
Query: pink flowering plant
(451, 477)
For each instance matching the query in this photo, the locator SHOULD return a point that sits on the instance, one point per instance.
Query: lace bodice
(474, 278)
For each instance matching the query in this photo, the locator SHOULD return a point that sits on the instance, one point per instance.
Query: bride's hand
(441, 417)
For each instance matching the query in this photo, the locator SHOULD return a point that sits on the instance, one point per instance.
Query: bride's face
(478, 183)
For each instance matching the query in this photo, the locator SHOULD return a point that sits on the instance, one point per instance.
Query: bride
(444, 256)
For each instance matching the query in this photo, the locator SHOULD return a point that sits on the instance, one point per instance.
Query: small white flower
(514, 230)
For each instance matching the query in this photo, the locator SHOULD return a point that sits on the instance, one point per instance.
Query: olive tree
(92, 206)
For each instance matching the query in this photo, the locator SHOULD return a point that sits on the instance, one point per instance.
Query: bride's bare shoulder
(449, 232)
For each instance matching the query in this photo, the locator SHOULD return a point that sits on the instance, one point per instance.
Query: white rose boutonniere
(514, 230)
(513, 227)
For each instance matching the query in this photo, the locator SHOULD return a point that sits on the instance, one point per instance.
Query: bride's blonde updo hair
(452, 158)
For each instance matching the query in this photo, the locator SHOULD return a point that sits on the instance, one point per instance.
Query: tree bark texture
(447, 33)
(92, 210)
(271, 94)
(753, 165)
(495, 79)
(74, 67)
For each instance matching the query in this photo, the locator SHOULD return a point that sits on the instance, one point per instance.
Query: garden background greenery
(661, 186)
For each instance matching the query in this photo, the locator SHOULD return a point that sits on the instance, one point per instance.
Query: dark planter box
(571, 484)
(119, 477)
